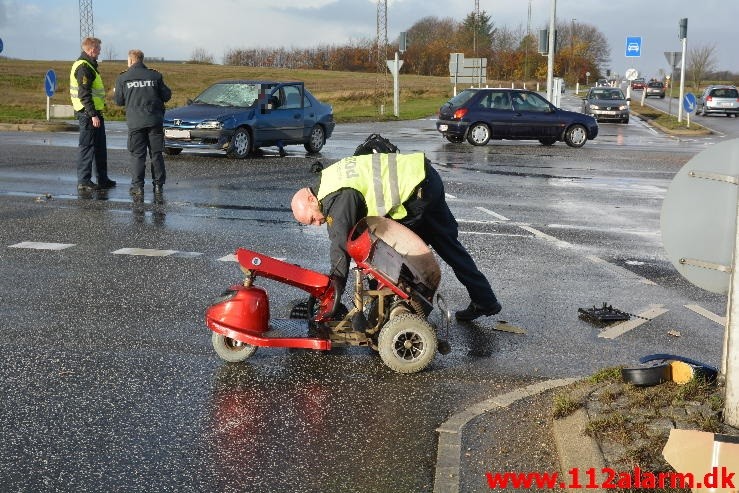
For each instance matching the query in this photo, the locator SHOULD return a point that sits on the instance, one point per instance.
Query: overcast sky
(173, 29)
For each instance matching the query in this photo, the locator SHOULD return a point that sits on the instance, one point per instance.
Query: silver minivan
(719, 100)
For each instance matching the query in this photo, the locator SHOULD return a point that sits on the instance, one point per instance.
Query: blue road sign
(633, 46)
(689, 102)
(50, 83)
(1, 45)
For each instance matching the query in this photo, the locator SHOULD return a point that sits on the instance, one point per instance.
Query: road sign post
(673, 58)
(394, 66)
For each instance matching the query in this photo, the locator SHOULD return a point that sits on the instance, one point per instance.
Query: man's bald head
(306, 209)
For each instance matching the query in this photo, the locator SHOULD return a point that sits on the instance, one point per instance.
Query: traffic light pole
(683, 34)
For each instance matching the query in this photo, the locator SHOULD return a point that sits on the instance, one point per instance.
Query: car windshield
(611, 94)
(725, 93)
(655, 84)
(230, 94)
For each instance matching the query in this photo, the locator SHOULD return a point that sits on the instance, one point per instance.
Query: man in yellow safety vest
(406, 188)
(87, 92)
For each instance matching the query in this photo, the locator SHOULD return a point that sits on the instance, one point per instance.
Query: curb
(577, 451)
(449, 450)
(686, 132)
(39, 127)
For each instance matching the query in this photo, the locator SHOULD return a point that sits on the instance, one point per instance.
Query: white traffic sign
(631, 74)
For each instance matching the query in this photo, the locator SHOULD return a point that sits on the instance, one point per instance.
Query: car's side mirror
(189, 101)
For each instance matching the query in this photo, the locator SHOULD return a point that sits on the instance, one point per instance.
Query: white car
(719, 100)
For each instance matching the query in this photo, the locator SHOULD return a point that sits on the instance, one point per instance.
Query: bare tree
(199, 55)
(701, 60)
(110, 53)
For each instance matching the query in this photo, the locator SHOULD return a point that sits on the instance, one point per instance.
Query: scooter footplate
(291, 333)
(287, 328)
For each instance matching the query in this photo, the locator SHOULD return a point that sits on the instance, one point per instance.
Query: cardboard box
(712, 460)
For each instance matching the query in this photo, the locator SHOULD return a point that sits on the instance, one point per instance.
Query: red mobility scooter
(394, 286)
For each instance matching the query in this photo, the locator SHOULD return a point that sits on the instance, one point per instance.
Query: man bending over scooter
(403, 187)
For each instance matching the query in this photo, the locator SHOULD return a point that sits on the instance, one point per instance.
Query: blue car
(239, 116)
(480, 115)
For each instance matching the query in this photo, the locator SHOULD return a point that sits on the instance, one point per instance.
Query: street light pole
(550, 56)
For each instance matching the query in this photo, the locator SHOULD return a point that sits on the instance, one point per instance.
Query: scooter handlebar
(312, 282)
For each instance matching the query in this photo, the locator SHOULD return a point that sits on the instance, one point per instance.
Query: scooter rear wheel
(231, 350)
(407, 343)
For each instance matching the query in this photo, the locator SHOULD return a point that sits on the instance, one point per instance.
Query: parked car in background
(480, 115)
(719, 100)
(655, 88)
(606, 103)
(601, 83)
(239, 116)
(638, 84)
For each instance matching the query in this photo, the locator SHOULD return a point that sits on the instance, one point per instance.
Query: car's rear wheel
(316, 140)
(479, 134)
(547, 141)
(240, 144)
(455, 139)
(172, 151)
(576, 136)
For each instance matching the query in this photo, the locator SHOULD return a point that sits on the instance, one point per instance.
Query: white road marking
(608, 230)
(148, 252)
(494, 214)
(494, 234)
(617, 268)
(616, 330)
(708, 314)
(38, 245)
(449, 195)
(544, 236)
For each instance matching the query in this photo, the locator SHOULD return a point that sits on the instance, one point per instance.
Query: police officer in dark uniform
(87, 93)
(143, 92)
(406, 188)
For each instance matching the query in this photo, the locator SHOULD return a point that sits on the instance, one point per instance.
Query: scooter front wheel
(231, 350)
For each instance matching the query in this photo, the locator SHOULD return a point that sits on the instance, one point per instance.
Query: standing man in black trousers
(143, 92)
(87, 92)
(403, 187)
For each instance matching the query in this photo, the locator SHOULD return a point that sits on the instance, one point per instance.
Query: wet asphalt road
(110, 383)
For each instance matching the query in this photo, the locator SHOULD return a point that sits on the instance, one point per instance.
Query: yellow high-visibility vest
(384, 180)
(98, 90)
